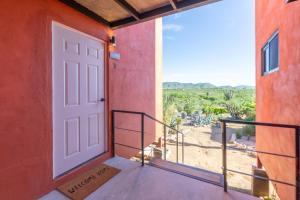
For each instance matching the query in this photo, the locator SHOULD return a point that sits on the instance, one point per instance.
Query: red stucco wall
(278, 94)
(134, 81)
(25, 89)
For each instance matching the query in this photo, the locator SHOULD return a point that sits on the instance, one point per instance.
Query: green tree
(169, 114)
(228, 94)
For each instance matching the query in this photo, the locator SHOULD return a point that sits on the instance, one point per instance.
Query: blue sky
(213, 43)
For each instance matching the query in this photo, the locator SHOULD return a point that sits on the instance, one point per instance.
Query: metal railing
(224, 123)
(142, 131)
(296, 128)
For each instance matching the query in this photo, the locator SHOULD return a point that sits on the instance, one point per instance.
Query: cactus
(228, 94)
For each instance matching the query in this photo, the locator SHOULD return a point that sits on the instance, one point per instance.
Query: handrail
(143, 114)
(224, 144)
(129, 112)
(296, 128)
(149, 116)
(258, 123)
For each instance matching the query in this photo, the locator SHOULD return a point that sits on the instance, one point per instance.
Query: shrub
(215, 110)
(251, 117)
(189, 108)
(169, 114)
(234, 109)
(249, 131)
(228, 94)
(238, 134)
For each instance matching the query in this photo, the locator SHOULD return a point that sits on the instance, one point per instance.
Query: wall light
(112, 41)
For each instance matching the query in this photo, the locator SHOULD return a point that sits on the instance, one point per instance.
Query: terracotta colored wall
(278, 94)
(134, 84)
(25, 89)
(159, 76)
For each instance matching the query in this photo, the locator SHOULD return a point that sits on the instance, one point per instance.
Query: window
(289, 1)
(270, 54)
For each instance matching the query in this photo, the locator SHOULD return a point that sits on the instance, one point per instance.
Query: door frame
(106, 95)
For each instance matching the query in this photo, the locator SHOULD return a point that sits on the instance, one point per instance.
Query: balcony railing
(142, 131)
(296, 156)
(225, 147)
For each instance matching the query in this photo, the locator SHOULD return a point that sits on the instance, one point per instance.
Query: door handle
(101, 100)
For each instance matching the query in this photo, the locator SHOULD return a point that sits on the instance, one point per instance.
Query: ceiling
(120, 13)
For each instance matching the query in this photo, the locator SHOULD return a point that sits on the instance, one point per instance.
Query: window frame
(290, 1)
(267, 46)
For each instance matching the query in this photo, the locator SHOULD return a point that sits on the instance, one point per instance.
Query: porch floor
(151, 183)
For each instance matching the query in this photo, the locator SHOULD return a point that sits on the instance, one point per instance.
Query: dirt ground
(203, 152)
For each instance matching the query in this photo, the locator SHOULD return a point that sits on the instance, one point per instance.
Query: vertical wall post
(165, 142)
(142, 136)
(182, 148)
(297, 167)
(177, 146)
(224, 148)
(113, 133)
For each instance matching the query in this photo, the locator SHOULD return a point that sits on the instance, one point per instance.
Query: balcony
(148, 182)
(151, 175)
(249, 176)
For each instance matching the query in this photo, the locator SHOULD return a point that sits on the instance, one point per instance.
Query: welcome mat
(82, 186)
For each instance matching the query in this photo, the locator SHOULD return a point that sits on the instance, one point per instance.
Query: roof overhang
(120, 13)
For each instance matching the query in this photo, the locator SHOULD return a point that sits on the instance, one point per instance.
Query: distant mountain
(245, 87)
(178, 85)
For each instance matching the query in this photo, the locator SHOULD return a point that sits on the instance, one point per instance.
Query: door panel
(71, 83)
(72, 138)
(78, 86)
(93, 91)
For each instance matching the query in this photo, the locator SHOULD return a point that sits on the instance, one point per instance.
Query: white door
(78, 98)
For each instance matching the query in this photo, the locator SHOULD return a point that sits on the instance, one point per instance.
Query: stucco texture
(278, 93)
(136, 85)
(26, 89)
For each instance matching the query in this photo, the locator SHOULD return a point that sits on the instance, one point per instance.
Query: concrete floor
(149, 183)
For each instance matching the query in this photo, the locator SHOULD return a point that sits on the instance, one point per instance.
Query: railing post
(182, 148)
(142, 136)
(224, 156)
(113, 133)
(297, 167)
(165, 142)
(177, 146)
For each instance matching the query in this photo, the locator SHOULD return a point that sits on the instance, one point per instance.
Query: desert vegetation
(207, 105)
(195, 110)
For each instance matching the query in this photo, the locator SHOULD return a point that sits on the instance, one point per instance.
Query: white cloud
(168, 37)
(172, 27)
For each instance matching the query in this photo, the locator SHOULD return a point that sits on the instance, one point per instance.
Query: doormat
(80, 187)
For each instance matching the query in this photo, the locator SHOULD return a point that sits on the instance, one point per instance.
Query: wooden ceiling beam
(173, 4)
(85, 11)
(173, 7)
(161, 11)
(126, 6)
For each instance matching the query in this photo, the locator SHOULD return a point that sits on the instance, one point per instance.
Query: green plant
(169, 114)
(251, 117)
(189, 108)
(238, 134)
(178, 122)
(212, 102)
(212, 109)
(234, 109)
(228, 94)
(249, 131)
